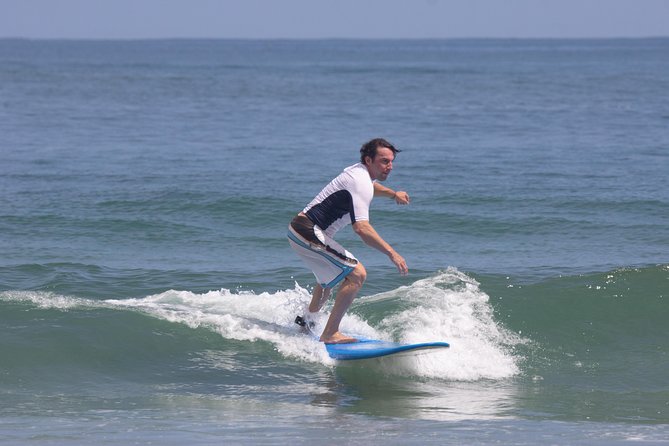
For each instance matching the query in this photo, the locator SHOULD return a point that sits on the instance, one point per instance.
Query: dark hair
(370, 148)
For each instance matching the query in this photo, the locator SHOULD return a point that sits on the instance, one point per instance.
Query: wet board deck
(372, 348)
(368, 348)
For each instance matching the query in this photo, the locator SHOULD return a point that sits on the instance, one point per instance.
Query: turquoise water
(147, 290)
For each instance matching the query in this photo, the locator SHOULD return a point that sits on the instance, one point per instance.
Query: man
(345, 200)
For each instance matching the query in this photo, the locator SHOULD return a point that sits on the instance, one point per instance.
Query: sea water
(147, 290)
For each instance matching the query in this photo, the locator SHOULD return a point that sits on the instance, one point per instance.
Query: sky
(308, 19)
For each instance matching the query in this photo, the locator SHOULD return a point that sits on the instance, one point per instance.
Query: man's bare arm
(368, 234)
(400, 197)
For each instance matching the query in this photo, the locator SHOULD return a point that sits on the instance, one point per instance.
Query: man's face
(379, 168)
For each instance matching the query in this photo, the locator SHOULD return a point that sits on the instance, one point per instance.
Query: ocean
(148, 291)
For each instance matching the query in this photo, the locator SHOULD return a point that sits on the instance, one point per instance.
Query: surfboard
(368, 348)
(373, 348)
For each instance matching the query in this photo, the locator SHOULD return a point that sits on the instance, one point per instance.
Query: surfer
(345, 200)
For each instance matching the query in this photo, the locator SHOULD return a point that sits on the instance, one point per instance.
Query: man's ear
(368, 160)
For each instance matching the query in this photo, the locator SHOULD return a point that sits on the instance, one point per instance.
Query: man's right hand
(402, 197)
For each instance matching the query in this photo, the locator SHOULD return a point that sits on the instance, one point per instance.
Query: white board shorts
(326, 258)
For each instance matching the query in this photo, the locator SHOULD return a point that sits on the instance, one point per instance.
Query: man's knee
(358, 275)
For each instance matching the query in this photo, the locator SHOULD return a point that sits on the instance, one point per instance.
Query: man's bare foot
(338, 338)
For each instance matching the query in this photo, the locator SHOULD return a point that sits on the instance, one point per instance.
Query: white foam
(242, 315)
(45, 299)
(448, 306)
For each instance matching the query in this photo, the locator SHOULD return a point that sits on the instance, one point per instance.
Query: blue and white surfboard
(368, 348)
(372, 348)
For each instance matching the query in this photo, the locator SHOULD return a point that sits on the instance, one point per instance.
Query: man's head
(378, 155)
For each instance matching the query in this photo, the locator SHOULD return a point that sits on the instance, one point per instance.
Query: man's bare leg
(318, 298)
(345, 295)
